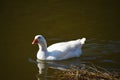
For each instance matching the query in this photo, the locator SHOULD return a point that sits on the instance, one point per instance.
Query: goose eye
(39, 37)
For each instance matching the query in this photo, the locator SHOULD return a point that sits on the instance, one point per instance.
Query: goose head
(39, 39)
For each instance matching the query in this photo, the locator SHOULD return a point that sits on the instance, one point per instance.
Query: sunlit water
(57, 21)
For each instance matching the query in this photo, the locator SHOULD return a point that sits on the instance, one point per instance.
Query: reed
(86, 73)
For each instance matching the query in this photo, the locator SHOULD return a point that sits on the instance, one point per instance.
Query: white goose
(58, 51)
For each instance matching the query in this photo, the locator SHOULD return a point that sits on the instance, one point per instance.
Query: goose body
(58, 51)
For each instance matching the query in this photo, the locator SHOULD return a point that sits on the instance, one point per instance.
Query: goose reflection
(45, 67)
(42, 66)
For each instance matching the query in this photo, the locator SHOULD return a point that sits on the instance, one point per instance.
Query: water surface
(57, 20)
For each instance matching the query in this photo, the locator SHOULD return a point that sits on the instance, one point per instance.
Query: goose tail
(83, 40)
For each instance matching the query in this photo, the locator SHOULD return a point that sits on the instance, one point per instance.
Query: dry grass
(88, 73)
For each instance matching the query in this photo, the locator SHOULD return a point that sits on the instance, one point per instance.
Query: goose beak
(35, 41)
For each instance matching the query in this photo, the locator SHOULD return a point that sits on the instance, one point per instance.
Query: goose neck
(43, 47)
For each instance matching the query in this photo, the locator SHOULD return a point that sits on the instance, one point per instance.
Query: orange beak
(35, 41)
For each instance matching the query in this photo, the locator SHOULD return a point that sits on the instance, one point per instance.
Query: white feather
(59, 51)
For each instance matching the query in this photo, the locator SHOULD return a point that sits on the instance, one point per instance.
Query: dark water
(57, 20)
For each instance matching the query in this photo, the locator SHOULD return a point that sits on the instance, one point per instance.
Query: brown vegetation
(90, 73)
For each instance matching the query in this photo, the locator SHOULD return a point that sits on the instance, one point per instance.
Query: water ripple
(102, 46)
